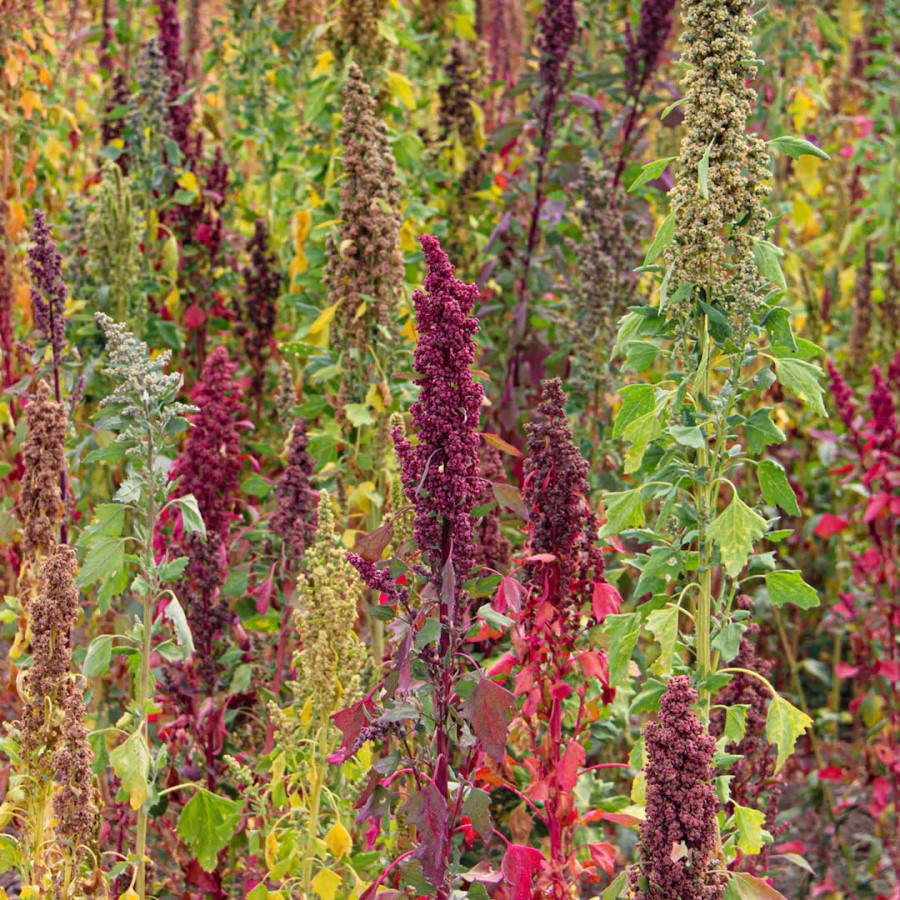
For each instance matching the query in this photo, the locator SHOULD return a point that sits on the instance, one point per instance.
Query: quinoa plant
(696, 440)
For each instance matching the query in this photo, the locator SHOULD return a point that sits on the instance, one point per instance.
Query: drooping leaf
(802, 379)
(509, 496)
(749, 823)
(175, 614)
(371, 546)
(650, 172)
(9, 853)
(766, 256)
(338, 841)
(663, 625)
(520, 865)
(488, 709)
(207, 824)
(498, 443)
(99, 656)
(427, 810)
(796, 147)
(736, 723)
(749, 887)
(131, 762)
(775, 487)
(784, 726)
(623, 632)
(326, 884)
(789, 587)
(734, 531)
(624, 509)
(477, 806)
(191, 519)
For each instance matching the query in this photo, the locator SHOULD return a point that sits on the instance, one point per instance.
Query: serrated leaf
(105, 557)
(488, 710)
(688, 436)
(650, 172)
(623, 631)
(663, 625)
(175, 614)
(637, 401)
(131, 762)
(662, 239)
(796, 147)
(766, 256)
(191, 519)
(639, 434)
(778, 326)
(624, 509)
(736, 723)
(775, 487)
(802, 379)
(734, 532)
(761, 431)
(338, 841)
(784, 726)
(749, 824)
(99, 656)
(789, 587)
(207, 824)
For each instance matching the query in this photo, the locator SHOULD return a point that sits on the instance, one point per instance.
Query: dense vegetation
(450, 449)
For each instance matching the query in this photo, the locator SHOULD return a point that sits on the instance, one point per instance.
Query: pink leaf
(428, 811)
(520, 865)
(829, 525)
(603, 856)
(488, 710)
(567, 770)
(605, 600)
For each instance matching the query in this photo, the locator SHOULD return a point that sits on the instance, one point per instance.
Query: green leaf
(639, 434)
(637, 401)
(796, 147)
(777, 323)
(775, 487)
(662, 239)
(175, 614)
(784, 726)
(789, 587)
(703, 172)
(802, 379)
(359, 414)
(99, 656)
(663, 625)
(623, 631)
(207, 824)
(172, 570)
(9, 853)
(736, 723)
(191, 519)
(624, 509)
(749, 824)
(614, 891)
(728, 641)
(256, 486)
(650, 172)
(131, 762)
(761, 431)
(105, 557)
(734, 531)
(510, 497)
(688, 436)
(641, 355)
(766, 256)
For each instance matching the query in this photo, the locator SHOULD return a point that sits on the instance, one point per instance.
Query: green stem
(313, 830)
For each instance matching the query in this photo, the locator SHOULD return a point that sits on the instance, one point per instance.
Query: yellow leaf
(364, 755)
(324, 320)
(323, 64)
(361, 311)
(49, 44)
(408, 237)
(807, 171)
(401, 89)
(306, 712)
(803, 108)
(373, 398)
(171, 301)
(29, 101)
(803, 218)
(326, 883)
(45, 78)
(229, 54)
(131, 894)
(459, 156)
(271, 849)
(53, 151)
(16, 221)
(338, 841)
(464, 28)
(154, 226)
(189, 182)
(28, 37)
(12, 69)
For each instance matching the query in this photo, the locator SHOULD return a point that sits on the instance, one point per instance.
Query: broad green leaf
(766, 256)
(749, 887)
(637, 401)
(749, 823)
(662, 240)
(641, 355)
(796, 147)
(99, 656)
(734, 531)
(728, 641)
(761, 431)
(359, 414)
(784, 726)
(802, 379)
(778, 326)
(624, 509)
(256, 486)
(401, 89)
(615, 890)
(9, 853)
(736, 723)
(789, 587)
(623, 631)
(131, 762)
(171, 570)
(105, 557)
(688, 436)
(629, 328)
(191, 519)
(175, 614)
(775, 487)
(639, 434)
(650, 172)
(663, 625)
(207, 824)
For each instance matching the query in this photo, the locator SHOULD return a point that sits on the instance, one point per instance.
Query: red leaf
(830, 525)
(194, 317)
(263, 593)
(603, 856)
(831, 773)
(371, 546)
(888, 669)
(428, 811)
(567, 770)
(509, 596)
(605, 601)
(350, 722)
(520, 865)
(488, 710)
(845, 670)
